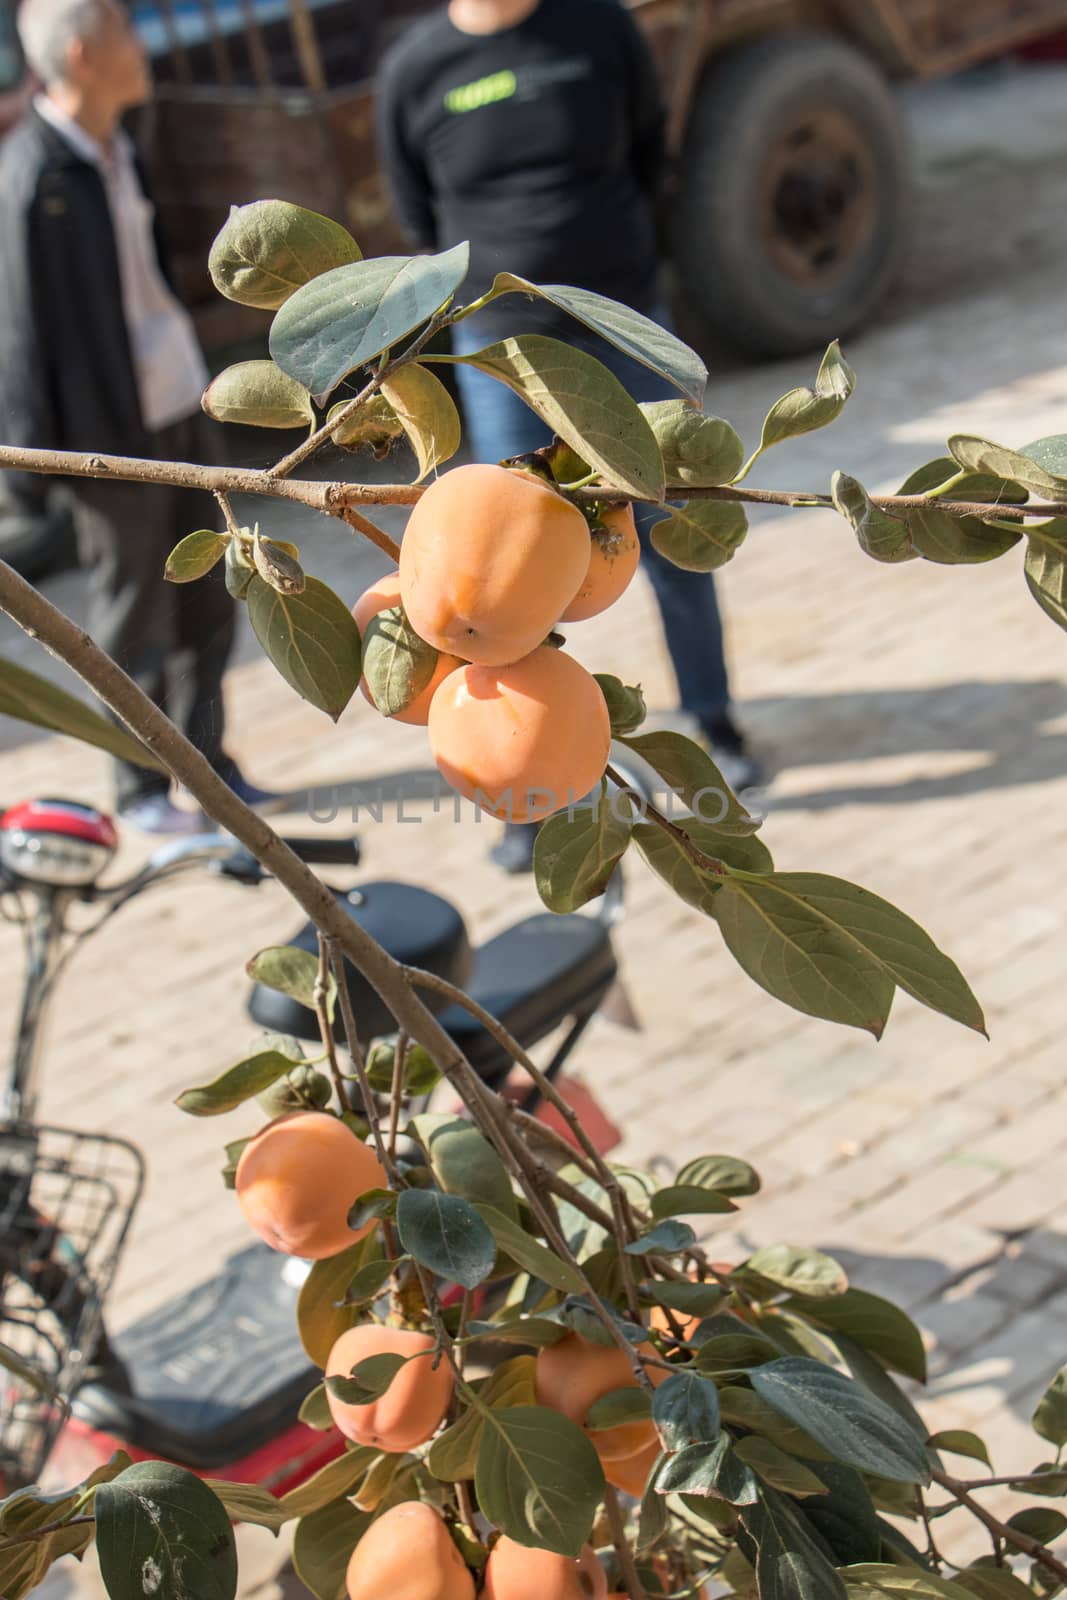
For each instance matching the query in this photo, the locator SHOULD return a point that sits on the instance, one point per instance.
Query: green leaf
(982, 455)
(834, 950)
(852, 1424)
(389, 1480)
(29, 698)
(685, 1409)
(341, 1476)
(314, 1411)
(702, 535)
(321, 1315)
(653, 1516)
(291, 971)
(370, 1280)
(277, 567)
(960, 1442)
(27, 1373)
(726, 1174)
(530, 1254)
(258, 394)
(690, 1200)
(874, 1579)
(789, 1561)
(844, 1516)
(692, 1299)
(958, 541)
(670, 859)
(342, 319)
(708, 1469)
(239, 570)
(1045, 567)
(945, 477)
(802, 1271)
(368, 1380)
(1048, 1478)
(667, 1239)
(454, 1453)
(698, 451)
(625, 703)
(247, 1502)
(993, 1583)
(397, 663)
(746, 1409)
(616, 1407)
(804, 410)
(322, 1547)
(537, 1331)
(160, 1531)
(311, 638)
(577, 850)
(240, 1083)
(776, 1467)
(267, 250)
(538, 1478)
(635, 335)
(234, 1152)
(427, 413)
(1039, 1522)
(877, 1381)
(194, 556)
(880, 535)
(689, 772)
(1050, 1418)
(446, 1234)
(372, 423)
(877, 1324)
(581, 401)
(465, 1163)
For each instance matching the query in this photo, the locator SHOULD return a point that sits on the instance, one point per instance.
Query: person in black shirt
(534, 129)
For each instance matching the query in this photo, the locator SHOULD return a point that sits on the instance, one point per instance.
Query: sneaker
(741, 769)
(513, 852)
(264, 800)
(157, 813)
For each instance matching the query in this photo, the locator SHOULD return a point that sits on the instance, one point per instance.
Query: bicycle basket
(66, 1203)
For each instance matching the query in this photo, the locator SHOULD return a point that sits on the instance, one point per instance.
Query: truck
(787, 207)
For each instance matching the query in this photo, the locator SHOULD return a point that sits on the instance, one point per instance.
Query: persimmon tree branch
(1003, 1531)
(333, 498)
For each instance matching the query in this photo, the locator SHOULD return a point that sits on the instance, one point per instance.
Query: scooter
(213, 1379)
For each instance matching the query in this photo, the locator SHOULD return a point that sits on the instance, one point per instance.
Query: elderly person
(534, 129)
(96, 354)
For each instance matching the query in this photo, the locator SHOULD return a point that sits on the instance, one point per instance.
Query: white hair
(48, 28)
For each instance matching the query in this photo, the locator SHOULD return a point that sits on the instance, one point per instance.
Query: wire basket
(66, 1203)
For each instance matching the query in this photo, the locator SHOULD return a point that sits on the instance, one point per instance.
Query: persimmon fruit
(517, 1572)
(522, 740)
(298, 1178)
(573, 1373)
(383, 595)
(630, 1473)
(490, 560)
(406, 1554)
(615, 552)
(412, 1408)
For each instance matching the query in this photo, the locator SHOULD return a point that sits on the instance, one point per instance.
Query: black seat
(212, 1375)
(532, 977)
(417, 928)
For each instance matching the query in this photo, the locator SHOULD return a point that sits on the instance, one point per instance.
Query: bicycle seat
(213, 1374)
(532, 977)
(417, 928)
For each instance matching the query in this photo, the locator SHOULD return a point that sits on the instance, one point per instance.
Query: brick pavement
(917, 720)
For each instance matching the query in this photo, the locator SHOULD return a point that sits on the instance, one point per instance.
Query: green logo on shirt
(483, 92)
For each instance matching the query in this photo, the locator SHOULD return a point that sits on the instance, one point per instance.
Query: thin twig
(232, 525)
(370, 530)
(1003, 1531)
(399, 1058)
(627, 1566)
(649, 813)
(321, 998)
(44, 1532)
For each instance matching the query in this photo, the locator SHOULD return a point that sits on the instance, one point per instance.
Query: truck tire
(793, 197)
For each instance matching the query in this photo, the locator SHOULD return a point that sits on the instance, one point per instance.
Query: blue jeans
(499, 425)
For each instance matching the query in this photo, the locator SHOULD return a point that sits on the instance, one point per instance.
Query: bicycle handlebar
(326, 852)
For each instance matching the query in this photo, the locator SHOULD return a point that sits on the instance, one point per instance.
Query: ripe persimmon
(407, 1554)
(521, 740)
(383, 595)
(614, 555)
(517, 1572)
(630, 1473)
(412, 1408)
(490, 559)
(297, 1179)
(573, 1373)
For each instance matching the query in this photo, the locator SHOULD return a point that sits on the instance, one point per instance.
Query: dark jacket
(67, 379)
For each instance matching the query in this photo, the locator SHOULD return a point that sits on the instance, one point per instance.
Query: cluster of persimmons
(492, 559)
(296, 1181)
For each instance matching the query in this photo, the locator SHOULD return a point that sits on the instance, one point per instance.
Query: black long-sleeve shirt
(542, 144)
